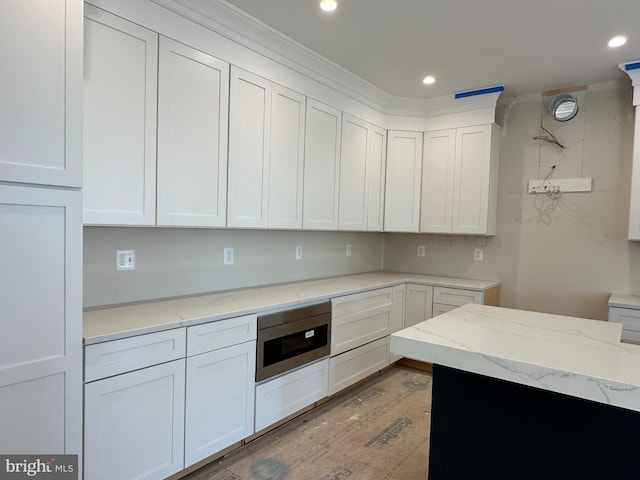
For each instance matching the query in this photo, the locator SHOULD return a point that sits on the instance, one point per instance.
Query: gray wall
(562, 257)
(173, 262)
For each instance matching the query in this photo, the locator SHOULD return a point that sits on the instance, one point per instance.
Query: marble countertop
(124, 321)
(573, 356)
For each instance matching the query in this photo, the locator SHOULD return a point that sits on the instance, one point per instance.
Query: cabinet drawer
(119, 356)
(455, 296)
(221, 334)
(360, 302)
(439, 308)
(356, 329)
(630, 320)
(278, 398)
(353, 366)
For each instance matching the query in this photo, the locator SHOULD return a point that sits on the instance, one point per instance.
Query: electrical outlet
(478, 254)
(421, 250)
(299, 252)
(348, 250)
(228, 256)
(125, 259)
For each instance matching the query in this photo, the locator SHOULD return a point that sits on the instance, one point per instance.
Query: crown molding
(243, 29)
(633, 70)
(238, 26)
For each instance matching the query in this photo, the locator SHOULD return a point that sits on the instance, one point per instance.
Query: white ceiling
(529, 46)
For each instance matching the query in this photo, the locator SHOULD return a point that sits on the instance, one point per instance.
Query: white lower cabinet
(456, 296)
(360, 327)
(221, 368)
(219, 401)
(284, 395)
(625, 309)
(357, 364)
(398, 314)
(418, 306)
(360, 318)
(446, 298)
(134, 424)
(439, 308)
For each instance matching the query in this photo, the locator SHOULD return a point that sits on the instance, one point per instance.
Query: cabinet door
(220, 400)
(436, 207)
(134, 424)
(286, 166)
(41, 96)
(402, 193)
(249, 136)
(376, 164)
(193, 100)
(41, 326)
(354, 155)
(120, 98)
(474, 189)
(398, 314)
(321, 167)
(634, 204)
(419, 304)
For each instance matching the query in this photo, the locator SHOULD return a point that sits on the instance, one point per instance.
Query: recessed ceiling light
(328, 5)
(617, 41)
(429, 79)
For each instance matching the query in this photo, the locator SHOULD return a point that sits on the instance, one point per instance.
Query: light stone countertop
(125, 321)
(573, 356)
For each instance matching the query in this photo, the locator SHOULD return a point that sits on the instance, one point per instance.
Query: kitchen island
(524, 395)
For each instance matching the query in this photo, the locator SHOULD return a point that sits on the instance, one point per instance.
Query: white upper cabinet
(193, 101)
(41, 96)
(120, 95)
(286, 168)
(459, 180)
(249, 152)
(321, 167)
(354, 154)
(402, 193)
(436, 209)
(634, 207)
(376, 164)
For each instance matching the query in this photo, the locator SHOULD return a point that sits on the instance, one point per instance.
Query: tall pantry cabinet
(41, 241)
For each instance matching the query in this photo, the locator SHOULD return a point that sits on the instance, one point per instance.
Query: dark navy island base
(485, 428)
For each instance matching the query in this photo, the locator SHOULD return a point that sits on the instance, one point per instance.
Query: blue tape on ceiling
(481, 91)
(632, 66)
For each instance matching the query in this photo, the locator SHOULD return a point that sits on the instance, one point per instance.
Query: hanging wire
(549, 137)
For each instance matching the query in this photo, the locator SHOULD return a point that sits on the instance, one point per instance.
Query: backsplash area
(174, 262)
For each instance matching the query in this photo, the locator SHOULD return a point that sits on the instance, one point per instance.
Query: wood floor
(378, 431)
